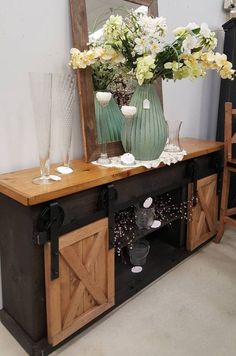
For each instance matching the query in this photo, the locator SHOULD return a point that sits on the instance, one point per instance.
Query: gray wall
(194, 102)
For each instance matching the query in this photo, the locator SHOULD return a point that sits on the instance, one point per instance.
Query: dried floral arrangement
(126, 231)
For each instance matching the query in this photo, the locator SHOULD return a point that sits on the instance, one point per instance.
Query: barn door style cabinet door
(85, 286)
(203, 223)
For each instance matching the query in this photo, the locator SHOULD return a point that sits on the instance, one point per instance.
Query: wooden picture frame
(85, 84)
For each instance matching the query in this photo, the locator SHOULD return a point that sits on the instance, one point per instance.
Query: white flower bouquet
(136, 44)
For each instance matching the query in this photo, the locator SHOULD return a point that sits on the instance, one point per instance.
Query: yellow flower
(180, 31)
(113, 28)
(90, 57)
(208, 60)
(144, 70)
(220, 59)
(109, 54)
(227, 72)
(74, 57)
(98, 52)
(182, 73)
(190, 59)
(196, 71)
(175, 66)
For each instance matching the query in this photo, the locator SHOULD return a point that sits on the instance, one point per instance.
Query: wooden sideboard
(59, 269)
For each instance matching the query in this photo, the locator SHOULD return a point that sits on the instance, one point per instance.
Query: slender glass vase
(41, 94)
(103, 99)
(173, 143)
(63, 104)
(103, 159)
(148, 133)
(126, 134)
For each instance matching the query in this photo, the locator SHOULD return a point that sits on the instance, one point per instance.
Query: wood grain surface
(18, 185)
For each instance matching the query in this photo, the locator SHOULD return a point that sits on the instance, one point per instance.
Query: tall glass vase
(148, 132)
(41, 94)
(104, 99)
(63, 104)
(103, 159)
(126, 134)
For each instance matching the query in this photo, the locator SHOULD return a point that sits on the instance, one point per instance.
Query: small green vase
(148, 133)
(113, 118)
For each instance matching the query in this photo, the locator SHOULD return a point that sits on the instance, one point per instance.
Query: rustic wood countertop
(18, 185)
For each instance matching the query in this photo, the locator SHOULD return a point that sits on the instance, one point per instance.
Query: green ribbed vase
(113, 121)
(148, 133)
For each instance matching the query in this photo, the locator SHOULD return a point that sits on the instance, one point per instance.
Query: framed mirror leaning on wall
(88, 17)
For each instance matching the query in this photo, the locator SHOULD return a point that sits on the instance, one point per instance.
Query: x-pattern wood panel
(203, 223)
(78, 292)
(85, 288)
(205, 202)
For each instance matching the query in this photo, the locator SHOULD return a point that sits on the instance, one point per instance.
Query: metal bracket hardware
(48, 229)
(193, 172)
(108, 196)
(218, 164)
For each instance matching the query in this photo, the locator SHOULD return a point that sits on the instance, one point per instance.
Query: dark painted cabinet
(84, 279)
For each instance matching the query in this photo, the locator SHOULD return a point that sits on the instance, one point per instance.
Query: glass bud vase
(126, 133)
(173, 130)
(148, 132)
(63, 104)
(41, 94)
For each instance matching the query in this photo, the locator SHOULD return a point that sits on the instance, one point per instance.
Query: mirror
(88, 17)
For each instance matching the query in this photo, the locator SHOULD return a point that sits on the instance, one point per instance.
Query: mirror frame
(85, 84)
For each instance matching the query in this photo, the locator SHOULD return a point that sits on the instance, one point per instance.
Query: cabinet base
(39, 348)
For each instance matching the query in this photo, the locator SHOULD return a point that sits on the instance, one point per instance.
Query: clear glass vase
(173, 131)
(63, 104)
(104, 159)
(41, 94)
(126, 133)
(104, 99)
(144, 218)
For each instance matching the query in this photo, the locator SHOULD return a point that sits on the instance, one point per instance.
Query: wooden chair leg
(224, 204)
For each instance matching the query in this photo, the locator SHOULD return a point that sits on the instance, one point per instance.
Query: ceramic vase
(113, 121)
(148, 133)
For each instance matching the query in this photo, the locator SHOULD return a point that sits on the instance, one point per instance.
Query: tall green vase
(113, 118)
(148, 133)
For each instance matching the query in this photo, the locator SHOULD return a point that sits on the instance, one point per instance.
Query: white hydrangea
(189, 43)
(192, 26)
(155, 27)
(205, 31)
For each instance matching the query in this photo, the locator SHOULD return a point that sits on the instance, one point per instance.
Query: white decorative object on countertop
(127, 159)
(54, 177)
(167, 158)
(64, 170)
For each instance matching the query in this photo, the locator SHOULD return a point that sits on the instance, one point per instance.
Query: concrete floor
(191, 311)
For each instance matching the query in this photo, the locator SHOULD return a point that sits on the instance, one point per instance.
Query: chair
(229, 167)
